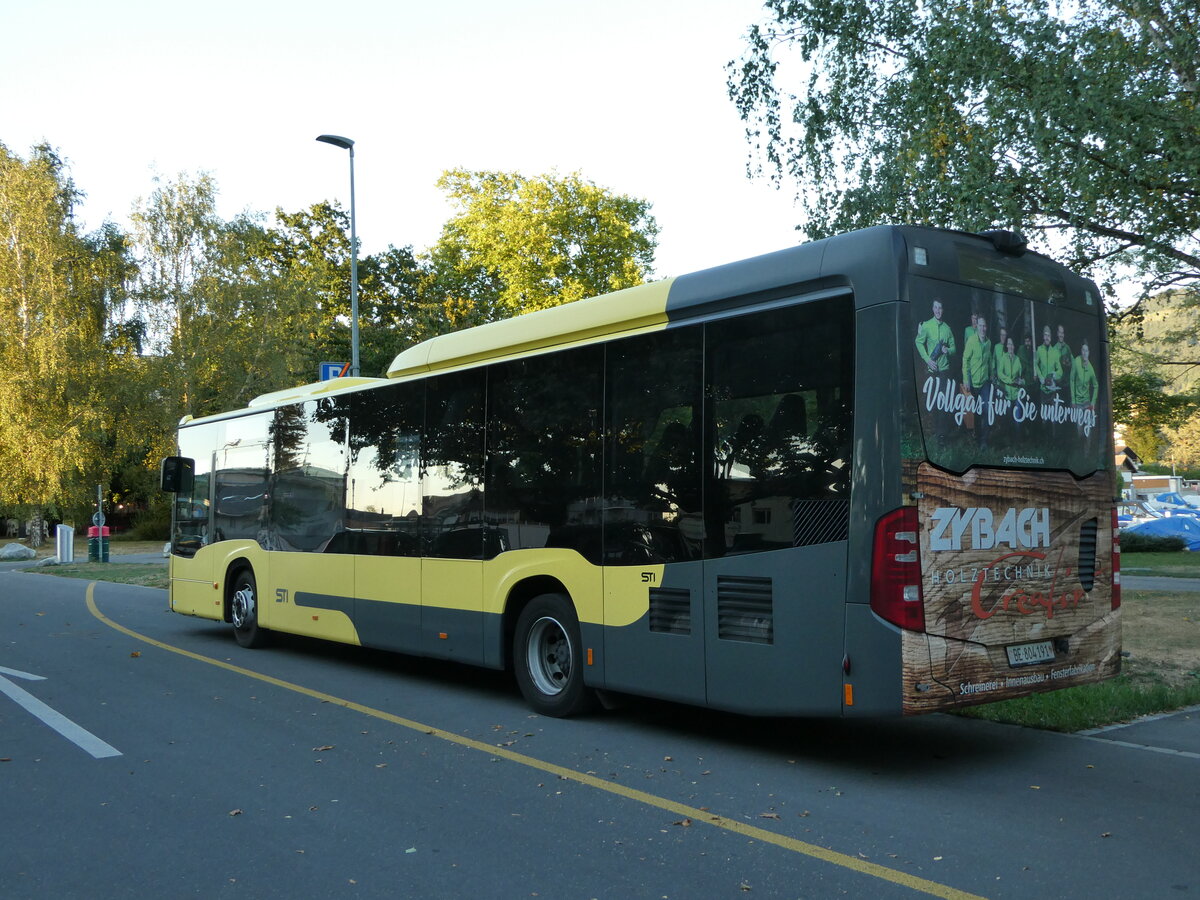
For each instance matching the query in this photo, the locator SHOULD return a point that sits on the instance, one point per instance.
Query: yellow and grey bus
(867, 475)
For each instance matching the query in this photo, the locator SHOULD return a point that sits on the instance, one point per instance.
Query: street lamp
(346, 144)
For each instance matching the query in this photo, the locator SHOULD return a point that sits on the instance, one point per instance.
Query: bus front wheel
(243, 611)
(548, 659)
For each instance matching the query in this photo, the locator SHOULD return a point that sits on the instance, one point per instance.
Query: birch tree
(56, 286)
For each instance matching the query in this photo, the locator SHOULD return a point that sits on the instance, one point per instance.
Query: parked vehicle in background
(1134, 512)
(1172, 503)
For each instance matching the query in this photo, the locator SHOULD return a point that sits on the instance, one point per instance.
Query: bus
(868, 475)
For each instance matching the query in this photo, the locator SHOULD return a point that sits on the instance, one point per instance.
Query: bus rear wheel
(548, 659)
(243, 611)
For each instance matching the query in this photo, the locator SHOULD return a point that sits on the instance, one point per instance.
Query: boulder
(10, 552)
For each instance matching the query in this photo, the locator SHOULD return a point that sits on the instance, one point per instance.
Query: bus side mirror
(177, 474)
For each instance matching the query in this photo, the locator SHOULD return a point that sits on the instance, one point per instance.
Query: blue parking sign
(331, 370)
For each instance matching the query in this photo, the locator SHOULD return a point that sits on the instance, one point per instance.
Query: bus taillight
(896, 570)
(1116, 562)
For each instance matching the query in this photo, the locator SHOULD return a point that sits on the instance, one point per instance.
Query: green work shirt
(977, 362)
(1065, 357)
(1085, 387)
(1045, 363)
(1010, 373)
(935, 343)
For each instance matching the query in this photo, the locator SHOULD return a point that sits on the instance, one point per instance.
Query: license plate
(1030, 654)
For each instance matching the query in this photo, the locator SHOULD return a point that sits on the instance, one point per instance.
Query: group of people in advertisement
(982, 377)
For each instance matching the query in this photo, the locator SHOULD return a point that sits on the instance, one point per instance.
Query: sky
(629, 93)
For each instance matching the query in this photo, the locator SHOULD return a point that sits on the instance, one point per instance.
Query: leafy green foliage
(518, 244)
(1156, 377)
(224, 321)
(1077, 123)
(58, 289)
(109, 339)
(313, 246)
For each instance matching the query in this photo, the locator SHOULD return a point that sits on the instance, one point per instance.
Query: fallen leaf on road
(768, 815)
(235, 812)
(135, 654)
(683, 823)
(319, 749)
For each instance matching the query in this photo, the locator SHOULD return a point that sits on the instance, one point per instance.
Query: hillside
(1169, 334)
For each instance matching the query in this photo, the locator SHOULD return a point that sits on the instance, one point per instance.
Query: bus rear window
(984, 268)
(1006, 381)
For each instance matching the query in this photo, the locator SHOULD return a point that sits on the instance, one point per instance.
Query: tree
(1077, 121)
(1184, 444)
(313, 247)
(56, 291)
(223, 321)
(1143, 406)
(517, 244)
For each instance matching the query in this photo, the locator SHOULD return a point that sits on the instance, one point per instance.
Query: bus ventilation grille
(820, 522)
(671, 610)
(745, 610)
(1087, 553)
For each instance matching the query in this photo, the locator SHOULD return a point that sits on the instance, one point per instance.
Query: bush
(1144, 543)
(154, 524)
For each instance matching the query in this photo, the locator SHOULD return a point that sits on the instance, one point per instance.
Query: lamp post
(346, 144)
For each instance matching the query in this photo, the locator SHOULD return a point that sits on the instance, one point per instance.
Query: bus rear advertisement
(869, 475)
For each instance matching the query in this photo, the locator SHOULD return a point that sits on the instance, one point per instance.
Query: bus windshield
(1008, 379)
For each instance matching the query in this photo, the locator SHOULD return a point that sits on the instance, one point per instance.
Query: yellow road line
(699, 816)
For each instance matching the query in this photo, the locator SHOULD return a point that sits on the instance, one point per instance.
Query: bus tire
(243, 610)
(548, 658)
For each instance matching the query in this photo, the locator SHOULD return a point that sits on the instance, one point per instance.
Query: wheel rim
(548, 655)
(242, 611)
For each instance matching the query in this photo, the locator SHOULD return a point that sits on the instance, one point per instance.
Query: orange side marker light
(848, 690)
(589, 656)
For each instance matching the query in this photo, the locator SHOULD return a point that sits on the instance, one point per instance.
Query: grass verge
(1173, 565)
(1120, 699)
(1161, 634)
(144, 574)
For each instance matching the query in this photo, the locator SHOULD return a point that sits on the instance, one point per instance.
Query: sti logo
(1018, 529)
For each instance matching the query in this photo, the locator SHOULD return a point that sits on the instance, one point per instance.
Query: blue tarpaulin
(1184, 527)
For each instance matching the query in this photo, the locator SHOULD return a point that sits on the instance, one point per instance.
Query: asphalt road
(181, 765)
